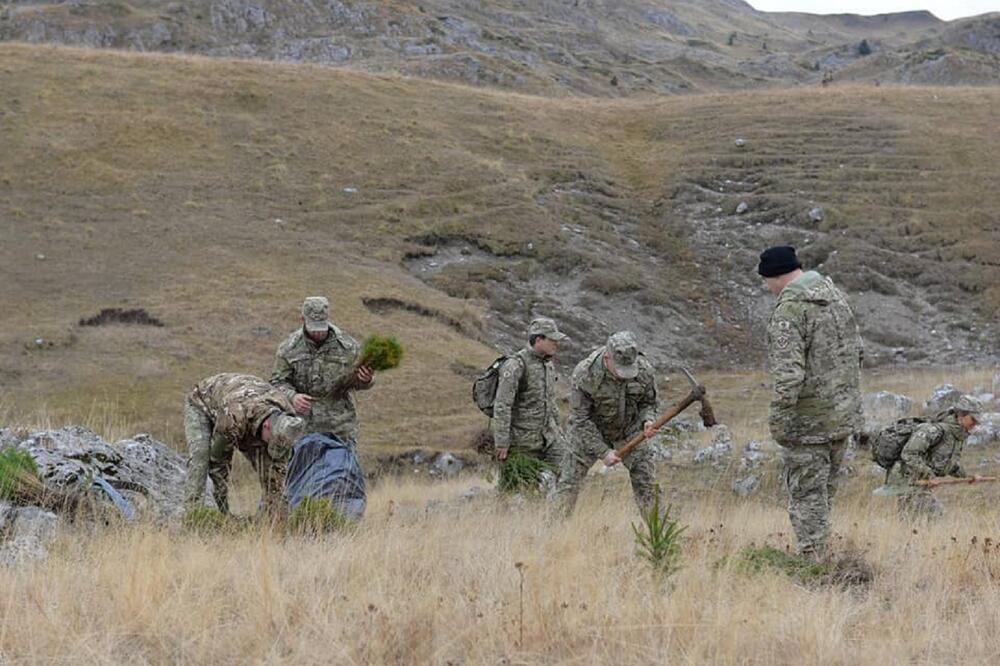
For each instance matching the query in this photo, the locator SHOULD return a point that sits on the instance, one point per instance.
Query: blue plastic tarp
(323, 466)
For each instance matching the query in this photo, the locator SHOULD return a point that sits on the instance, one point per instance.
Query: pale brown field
(440, 584)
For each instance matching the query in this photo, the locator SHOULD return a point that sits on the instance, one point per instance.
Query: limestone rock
(883, 407)
(942, 397)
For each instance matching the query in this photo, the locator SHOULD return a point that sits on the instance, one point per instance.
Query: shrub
(864, 48)
(752, 560)
(19, 480)
(204, 520)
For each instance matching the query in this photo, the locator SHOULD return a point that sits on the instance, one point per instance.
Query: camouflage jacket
(302, 366)
(605, 411)
(237, 405)
(934, 449)
(524, 411)
(814, 352)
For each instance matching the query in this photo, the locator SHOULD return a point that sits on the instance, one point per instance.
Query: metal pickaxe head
(701, 395)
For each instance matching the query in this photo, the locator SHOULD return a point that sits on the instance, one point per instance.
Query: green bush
(521, 473)
(381, 353)
(658, 539)
(753, 560)
(317, 515)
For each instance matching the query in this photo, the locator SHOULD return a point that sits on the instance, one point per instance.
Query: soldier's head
(621, 355)
(544, 336)
(969, 411)
(280, 431)
(316, 317)
(779, 266)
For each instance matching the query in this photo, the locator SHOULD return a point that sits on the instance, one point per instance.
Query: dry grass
(441, 587)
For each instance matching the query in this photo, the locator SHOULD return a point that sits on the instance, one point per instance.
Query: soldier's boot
(806, 478)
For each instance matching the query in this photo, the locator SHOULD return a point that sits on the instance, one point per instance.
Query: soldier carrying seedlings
(933, 449)
(232, 411)
(525, 416)
(316, 368)
(814, 354)
(613, 397)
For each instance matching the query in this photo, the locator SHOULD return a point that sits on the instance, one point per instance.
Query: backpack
(484, 388)
(887, 444)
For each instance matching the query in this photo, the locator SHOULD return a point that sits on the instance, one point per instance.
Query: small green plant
(658, 539)
(19, 480)
(753, 560)
(381, 353)
(521, 473)
(317, 515)
(204, 520)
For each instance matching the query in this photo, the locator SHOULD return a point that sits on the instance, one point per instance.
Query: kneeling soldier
(231, 411)
(935, 449)
(612, 398)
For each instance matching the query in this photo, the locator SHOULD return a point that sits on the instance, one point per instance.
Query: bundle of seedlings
(521, 473)
(380, 353)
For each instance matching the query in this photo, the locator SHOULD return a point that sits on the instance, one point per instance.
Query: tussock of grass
(315, 516)
(19, 480)
(205, 520)
(754, 560)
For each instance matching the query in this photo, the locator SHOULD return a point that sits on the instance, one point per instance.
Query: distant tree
(732, 39)
(864, 49)
(763, 46)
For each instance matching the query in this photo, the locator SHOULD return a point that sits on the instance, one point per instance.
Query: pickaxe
(952, 481)
(697, 394)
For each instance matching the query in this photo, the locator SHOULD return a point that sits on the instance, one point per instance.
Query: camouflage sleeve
(281, 375)
(786, 349)
(581, 427)
(648, 402)
(915, 452)
(510, 377)
(227, 432)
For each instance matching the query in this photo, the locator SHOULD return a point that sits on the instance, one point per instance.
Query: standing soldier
(315, 368)
(814, 352)
(525, 416)
(935, 449)
(228, 412)
(612, 398)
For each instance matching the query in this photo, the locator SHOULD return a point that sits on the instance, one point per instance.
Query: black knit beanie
(779, 260)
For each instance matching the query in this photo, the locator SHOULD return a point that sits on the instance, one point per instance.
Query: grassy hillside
(217, 193)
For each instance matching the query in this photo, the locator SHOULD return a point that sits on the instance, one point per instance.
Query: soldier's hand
(302, 403)
(611, 458)
(364, 374)
(973, 479)
(502, 454)
(648, 430)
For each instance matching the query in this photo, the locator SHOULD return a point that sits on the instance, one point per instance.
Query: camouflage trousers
(215, 462)
(577, 461)
(810, 478)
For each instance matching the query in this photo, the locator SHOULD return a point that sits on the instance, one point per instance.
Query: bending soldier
(231, 411)
(935, 449)
(613, 397)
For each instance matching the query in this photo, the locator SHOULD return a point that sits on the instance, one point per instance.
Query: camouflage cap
(316, 313)
(547, 327)
(285, 431)
(623, 350)
(969, 405)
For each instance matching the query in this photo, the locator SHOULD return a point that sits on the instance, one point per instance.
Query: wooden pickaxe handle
(696, 394)
(953, 481)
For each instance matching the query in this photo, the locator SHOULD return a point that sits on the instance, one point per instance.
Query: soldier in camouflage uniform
(934, 449)
(231, 411)
(612, 397)
(315, 368)
(525, 416)
(814, 353)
